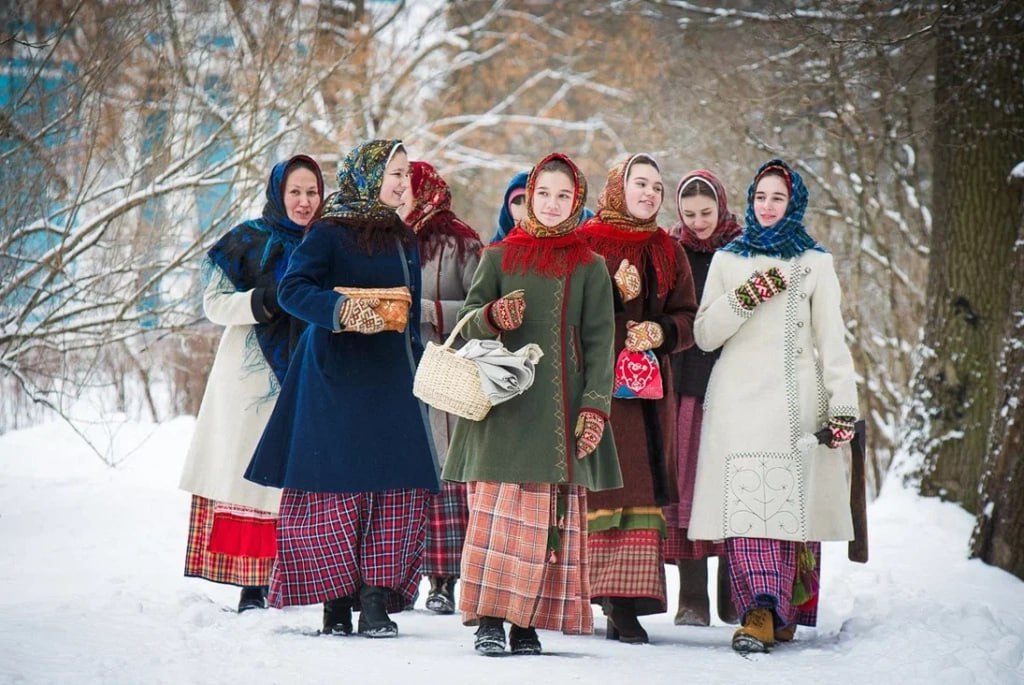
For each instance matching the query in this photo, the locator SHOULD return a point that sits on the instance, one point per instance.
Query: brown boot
(785, 633)
(726, 609)
(623, 624)
(694, 608)
(757, 634)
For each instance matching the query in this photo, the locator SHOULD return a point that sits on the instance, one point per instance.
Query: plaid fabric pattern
(505, 572)
(447, 518)
(762, 572)
(200, 562)
(331, 544)
(627, 563)
(678, 547)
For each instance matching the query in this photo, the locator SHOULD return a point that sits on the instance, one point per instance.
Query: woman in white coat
(233, 522)
(772, 303)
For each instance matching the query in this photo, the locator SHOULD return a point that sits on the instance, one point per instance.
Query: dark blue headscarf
(255, 254)
(787, 238)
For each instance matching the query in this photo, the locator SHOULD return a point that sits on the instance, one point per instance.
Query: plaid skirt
(629, 563)
(507, 571)
(761, 574)
(231, 569)
(447, 517)
(331, 544)
(679, 548)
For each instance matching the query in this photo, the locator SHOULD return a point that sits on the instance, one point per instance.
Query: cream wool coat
(785, 368)
(240, 395)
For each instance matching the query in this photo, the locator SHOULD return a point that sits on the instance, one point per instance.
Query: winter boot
(523, 640)
(785, 633)
(726, 609)
(373, 616)
(441, 598)
(694, 606)
(490, 636)
(757, 634)
(623, 624)
(338, 616)
(252, 597)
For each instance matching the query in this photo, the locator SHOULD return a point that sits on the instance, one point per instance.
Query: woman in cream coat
(771, 302)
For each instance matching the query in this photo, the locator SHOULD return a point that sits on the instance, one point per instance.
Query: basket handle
(458, 327)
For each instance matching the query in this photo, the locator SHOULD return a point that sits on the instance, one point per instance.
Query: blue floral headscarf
(787, 238)
(360, 177)
(255, 254)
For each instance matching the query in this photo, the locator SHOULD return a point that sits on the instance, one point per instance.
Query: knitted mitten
(841, 428)
(506, 312)
(358, 315)
(627, 280)
(589, 429)
(760, 287)
(643, 336)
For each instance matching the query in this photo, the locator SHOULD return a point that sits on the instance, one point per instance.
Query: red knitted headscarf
(431, 213)
(616, 234)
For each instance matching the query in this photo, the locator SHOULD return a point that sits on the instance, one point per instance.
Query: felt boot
(252, 597)
(623, 624)
(490, 636)
(338, 616)
(785, 633)
(726, 609)
(694, 606)
(373, 616)
(757, 634)
(441, 598)
(523, 640)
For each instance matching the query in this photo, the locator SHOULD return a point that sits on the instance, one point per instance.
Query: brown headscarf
(727, 228)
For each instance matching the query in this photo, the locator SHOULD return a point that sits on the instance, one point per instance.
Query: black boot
(338, 616)
(726, 609)
(441, 599)
(623, 624)
(252, 597)
(490, 636)
(694, 607)
(523, 640)
(373, 616)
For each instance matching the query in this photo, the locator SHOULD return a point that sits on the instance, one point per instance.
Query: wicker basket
(450, 383)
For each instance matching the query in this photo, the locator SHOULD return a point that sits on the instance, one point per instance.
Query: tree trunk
(999, 531)
(978, 138)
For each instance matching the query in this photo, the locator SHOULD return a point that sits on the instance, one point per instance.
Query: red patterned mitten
(841, 428)
(643, 336)
(760, 287)
(589, 429)
(357, 314)
(506, 312)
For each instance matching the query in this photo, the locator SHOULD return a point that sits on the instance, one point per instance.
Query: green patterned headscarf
(359, 180)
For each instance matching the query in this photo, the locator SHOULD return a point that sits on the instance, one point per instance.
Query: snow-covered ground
(93, 592)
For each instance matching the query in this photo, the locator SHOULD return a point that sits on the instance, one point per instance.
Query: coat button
(807, 269)
(799, 324)
(803, 296)
(799, 350)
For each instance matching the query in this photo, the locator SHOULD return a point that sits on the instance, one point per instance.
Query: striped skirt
(223, 566)
(507, 571)
(762, 572)
(331, 544)
(447, 518)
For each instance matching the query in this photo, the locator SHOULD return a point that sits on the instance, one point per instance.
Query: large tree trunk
(978, 138)
(999, 532)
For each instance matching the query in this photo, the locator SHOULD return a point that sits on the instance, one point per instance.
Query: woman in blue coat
(347, 441)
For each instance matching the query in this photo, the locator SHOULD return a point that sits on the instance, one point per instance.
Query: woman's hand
(358, 315)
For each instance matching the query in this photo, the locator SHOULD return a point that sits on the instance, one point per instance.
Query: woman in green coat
(530, 462)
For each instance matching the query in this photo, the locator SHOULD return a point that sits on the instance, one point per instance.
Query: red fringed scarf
(441, 224)
(555, 257)
(639, 247)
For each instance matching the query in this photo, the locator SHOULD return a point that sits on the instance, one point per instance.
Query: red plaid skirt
(200, 562)
(447, 518)
(331, 544)
(628, 563)
(761, 574)
(506, 568)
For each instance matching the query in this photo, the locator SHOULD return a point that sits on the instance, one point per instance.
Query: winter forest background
(133, 134)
